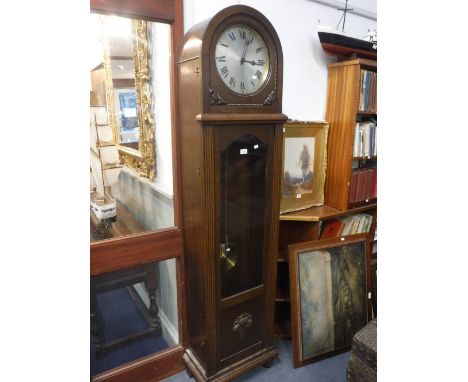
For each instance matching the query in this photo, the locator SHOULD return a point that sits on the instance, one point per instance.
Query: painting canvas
(304, 165)
(331, 299)
(298, 169)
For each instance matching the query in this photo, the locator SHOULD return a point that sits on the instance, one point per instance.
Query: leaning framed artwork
(330, 281)
(304, 165)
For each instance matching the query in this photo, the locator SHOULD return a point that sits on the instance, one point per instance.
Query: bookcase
(346, 107)
(301, 226)
(344, 111)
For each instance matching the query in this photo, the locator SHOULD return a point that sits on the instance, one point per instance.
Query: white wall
(161, 85)
(305, 64)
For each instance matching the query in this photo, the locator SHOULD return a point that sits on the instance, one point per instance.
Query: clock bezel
(221, 97)
(267, 77)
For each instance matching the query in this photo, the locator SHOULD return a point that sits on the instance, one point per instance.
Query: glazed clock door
(242, 223)
(244, 194)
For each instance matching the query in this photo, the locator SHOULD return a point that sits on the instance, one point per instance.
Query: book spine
(361, 91)
(374, 152)
(352, 187)
(366, 141)
(374, 186)
(356, 141)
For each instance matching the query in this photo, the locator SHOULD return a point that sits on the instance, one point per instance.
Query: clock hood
(199, 43)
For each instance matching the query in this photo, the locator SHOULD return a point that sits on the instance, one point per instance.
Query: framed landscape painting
(330, 281)
(304, 165)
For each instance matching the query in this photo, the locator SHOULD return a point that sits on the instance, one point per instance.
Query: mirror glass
(133, 314)
(130, 127)
(120, 44)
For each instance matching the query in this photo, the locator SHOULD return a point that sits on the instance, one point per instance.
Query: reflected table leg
(151, 285)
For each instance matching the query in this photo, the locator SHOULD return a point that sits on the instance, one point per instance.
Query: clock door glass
(243, 171)
(242, 59)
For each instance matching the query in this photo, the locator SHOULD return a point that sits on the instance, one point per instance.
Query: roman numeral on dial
(232, 82)
(242, 34)
(222, 59)
(232, 36)
(258, 50)
(242, 86)
(224, 71)
(258, 74)
(260, 62)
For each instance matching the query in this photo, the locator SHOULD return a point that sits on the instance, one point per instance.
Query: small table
(146, 274)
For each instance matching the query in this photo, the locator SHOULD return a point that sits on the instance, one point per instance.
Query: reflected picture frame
(143, 159)
(330, 301)
(304, 165)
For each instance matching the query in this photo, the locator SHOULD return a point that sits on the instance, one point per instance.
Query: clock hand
(251, 62)
(245, 51)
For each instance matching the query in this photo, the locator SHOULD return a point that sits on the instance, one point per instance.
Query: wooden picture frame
(304, 165)
(330, 282)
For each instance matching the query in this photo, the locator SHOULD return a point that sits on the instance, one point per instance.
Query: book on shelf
(333, 228)
(352, 188)
(345, 226)
(374, 186)
(368, 91)
(365, 139)
(363, 184)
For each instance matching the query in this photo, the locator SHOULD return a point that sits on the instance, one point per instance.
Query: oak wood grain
(207, 128)
(341, 114)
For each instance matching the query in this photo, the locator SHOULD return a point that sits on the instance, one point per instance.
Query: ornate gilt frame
(142, 160)
(318, 130)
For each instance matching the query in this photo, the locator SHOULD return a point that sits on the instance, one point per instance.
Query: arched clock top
(240, 62)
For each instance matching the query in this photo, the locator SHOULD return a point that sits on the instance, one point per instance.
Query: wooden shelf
(320, 213)
(282, 295)
(282, 324)
(282, 329)
(360, 112)
(363, 62)
(282, 256)
(365, 158)
(355, 205)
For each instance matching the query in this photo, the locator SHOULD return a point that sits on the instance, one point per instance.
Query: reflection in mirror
(133, 314)
(131, 183)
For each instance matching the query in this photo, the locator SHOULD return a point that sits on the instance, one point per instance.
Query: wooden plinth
(263, 357)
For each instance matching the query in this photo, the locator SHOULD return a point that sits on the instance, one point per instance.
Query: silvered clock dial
(242, 59)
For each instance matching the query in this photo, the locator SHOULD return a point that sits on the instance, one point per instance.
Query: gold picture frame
(143, 160)
(304, 165)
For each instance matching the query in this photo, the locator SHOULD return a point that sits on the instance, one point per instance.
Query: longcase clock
(230, 76)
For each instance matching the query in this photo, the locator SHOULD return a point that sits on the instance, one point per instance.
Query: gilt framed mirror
(127, 91)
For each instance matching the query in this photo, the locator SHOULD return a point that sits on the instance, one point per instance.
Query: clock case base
(263, 357)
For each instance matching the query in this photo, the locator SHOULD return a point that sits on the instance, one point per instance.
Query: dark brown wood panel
(148, 369)
(160, 10)
(207, 127)
(127, 252)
